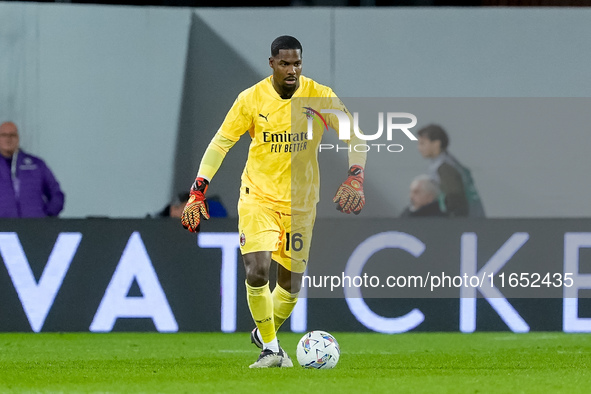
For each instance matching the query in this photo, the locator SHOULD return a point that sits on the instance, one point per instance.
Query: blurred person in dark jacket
(458, 197)
(423, 199)
(28, 188)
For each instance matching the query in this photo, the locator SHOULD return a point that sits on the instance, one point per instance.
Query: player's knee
(291, 284)
(257, 268)
(256, 276)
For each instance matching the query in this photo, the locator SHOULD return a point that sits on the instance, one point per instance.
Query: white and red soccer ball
(319, 350)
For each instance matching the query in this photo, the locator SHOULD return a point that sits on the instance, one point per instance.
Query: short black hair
(435, 132)
(285, 42)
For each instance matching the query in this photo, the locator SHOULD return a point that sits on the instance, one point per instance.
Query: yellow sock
(260, 303)
(283, 304)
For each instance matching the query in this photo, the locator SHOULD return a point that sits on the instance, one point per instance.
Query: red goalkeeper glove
(350, 197)
(196, 206)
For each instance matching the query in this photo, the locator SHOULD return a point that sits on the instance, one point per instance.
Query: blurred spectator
(175, 209)
(458, 192)
(423, 199)
(216, 208)
(28, 189)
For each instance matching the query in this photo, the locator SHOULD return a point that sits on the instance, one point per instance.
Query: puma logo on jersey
(264, 117)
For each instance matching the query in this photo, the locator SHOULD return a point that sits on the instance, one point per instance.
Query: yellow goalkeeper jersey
(281, 171)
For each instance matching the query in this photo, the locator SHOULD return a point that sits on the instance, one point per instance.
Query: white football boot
(268, 359)
(255, 337)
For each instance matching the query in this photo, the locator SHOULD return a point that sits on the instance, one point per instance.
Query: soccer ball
(319, 350)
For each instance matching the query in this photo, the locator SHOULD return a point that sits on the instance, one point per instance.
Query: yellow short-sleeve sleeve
(239, 119)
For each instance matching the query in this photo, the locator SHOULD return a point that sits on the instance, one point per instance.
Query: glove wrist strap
(200, 185)
(356, 171)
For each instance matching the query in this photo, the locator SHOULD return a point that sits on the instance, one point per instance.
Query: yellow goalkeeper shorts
(286, 236)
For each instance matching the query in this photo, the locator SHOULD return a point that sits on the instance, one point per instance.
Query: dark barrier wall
(106, 275)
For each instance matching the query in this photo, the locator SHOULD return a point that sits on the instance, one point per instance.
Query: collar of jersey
(278, 97)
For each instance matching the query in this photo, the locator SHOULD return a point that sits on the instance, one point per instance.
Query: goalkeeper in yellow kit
(279, 190)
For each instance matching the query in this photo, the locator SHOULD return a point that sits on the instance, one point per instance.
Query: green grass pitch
(370, 363)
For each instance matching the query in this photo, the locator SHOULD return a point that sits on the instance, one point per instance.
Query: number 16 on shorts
(294, 241)
(297, 248)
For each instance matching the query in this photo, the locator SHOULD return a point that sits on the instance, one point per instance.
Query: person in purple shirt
(28, 188)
